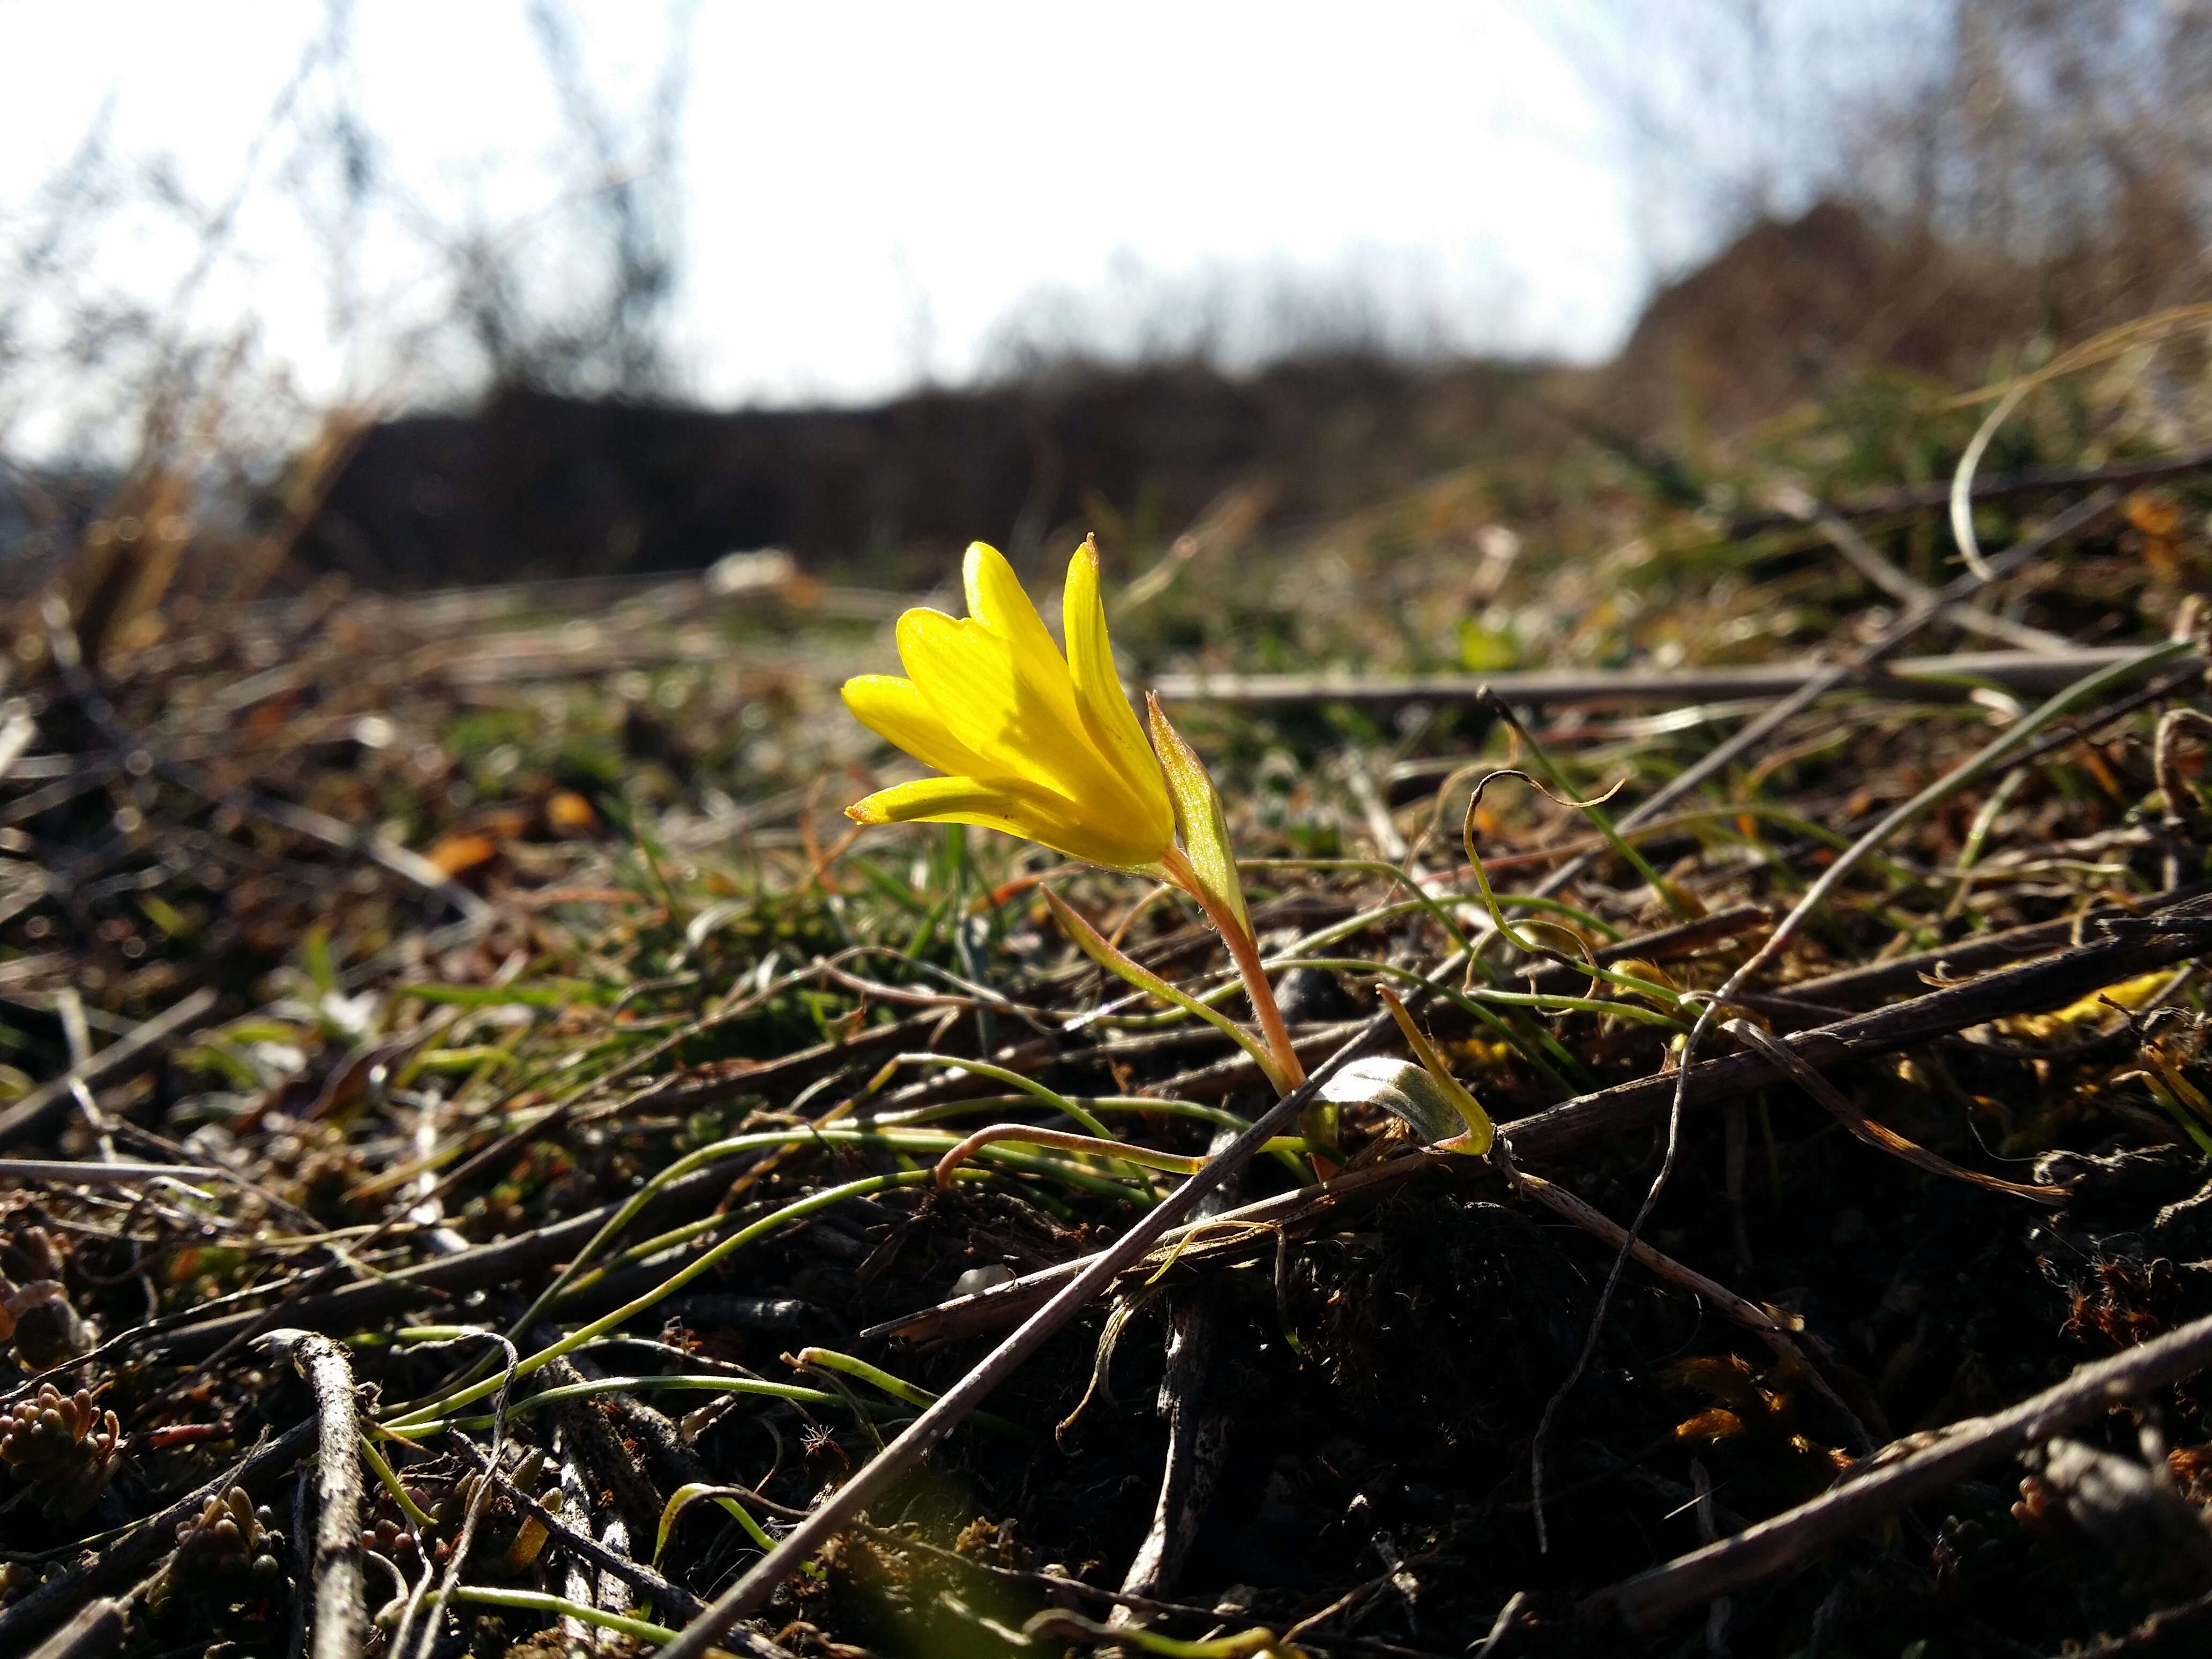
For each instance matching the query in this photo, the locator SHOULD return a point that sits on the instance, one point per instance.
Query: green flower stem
(1236, 932)
(1318, 1121)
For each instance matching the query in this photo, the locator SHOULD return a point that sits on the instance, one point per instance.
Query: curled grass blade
(1678, 903)
(727, 1497)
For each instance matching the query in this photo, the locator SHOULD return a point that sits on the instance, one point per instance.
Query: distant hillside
(1791, 307)
(539, 486)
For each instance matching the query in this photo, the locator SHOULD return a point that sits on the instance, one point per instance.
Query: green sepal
(1199, 819)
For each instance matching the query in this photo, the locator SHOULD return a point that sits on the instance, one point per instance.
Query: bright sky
(869, 188)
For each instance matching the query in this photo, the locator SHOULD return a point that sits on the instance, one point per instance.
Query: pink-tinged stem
(1245, 951)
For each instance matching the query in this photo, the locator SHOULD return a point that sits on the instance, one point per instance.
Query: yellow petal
(1016, 807)
(1012, 720)
(997, 601)
(896, 711)
(990, 701)
(967, 677)
(1105, 711)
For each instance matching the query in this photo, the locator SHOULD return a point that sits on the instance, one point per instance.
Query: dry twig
(1903, 1473)
(341, 1621)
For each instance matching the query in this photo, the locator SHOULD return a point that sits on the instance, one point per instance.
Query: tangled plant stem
(705, 1261)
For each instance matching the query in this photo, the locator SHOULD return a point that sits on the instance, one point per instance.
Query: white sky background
(871, 190)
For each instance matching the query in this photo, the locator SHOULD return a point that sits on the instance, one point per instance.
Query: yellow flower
(1037, 745)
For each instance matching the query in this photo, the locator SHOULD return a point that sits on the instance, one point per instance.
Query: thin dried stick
(1762, 1322)
(1920, 497)
(1862, 556)
(2183, 805)
(1866, 1129)
(1917, 679)
(509, 1261)
(1921, 1470)
(1197, 1440)
(341, 1625)
(670, 1598)
(61, 1171)
(2029, 988)
(29, 1114)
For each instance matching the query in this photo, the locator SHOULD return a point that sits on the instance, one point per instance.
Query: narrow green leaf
(1479, 1130)
(316, 948)
(1407, 1091)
